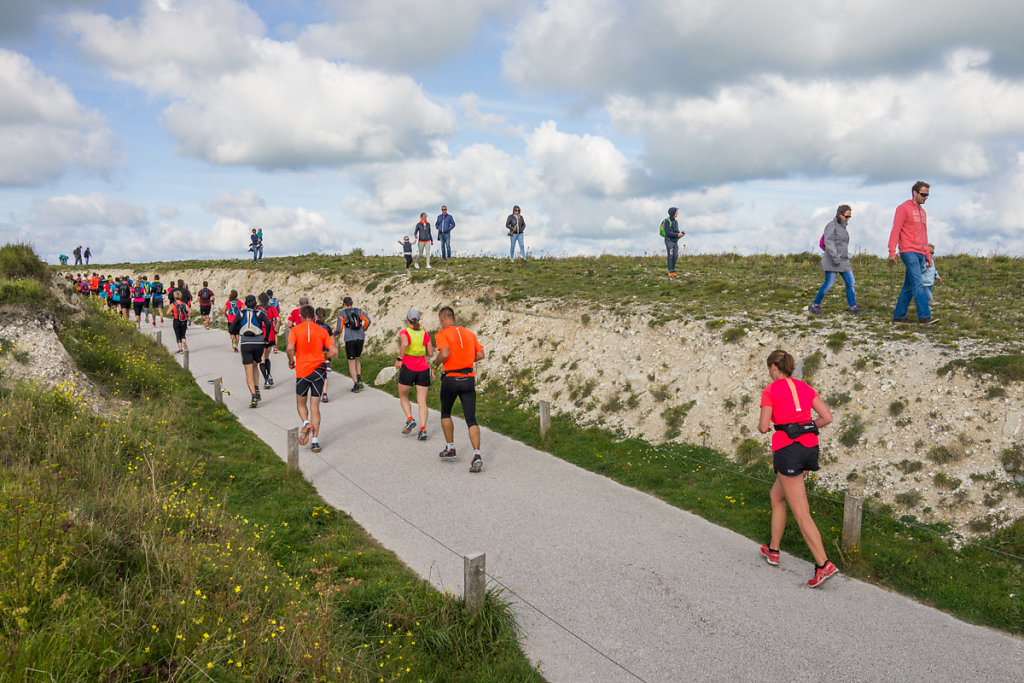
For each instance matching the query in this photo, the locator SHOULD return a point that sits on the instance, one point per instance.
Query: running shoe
(270, 380)
(926, 321)
(259, 396)
(355, 388)
(266, 384)
(672, 274)
(410, 425)
(422, 436)
(901, 320)
(447, 453)
(815, 309)
(477, 464)
(180, 351)
(823, 574)
(305, 433)
(772, 556)
(315, 447)
(856, 310)
(323, 397)
(254, 402)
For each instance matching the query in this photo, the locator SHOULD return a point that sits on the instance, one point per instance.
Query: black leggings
(463, 388)
(179, 329)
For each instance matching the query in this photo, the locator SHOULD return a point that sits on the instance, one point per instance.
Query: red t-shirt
(272, 315)
(790, 401)
(294, 318)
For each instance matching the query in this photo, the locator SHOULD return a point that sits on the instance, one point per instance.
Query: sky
(168, 129)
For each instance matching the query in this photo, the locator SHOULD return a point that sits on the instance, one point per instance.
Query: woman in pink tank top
(786, 406)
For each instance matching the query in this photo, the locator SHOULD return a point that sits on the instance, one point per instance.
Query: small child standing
(930, 275)
(407, 251)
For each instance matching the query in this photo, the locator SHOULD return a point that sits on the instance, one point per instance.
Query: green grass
(167, 542)
(728, 284)
(972, 583)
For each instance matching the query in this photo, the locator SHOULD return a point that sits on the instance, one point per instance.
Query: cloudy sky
(155, 129)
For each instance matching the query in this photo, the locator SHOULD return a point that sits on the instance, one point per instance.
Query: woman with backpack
(836, 259)
(232, 307)
(179, 319)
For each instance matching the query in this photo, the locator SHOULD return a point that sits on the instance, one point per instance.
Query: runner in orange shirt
(457, 350)
(306, 344)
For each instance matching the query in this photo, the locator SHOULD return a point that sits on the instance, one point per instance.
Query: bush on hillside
(19, 261)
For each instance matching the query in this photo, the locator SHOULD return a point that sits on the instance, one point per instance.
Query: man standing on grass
(457, 350)
(355, 323)
(445, 224)
(670, 229)
(910, 235)
(307, 342)
(251, 327)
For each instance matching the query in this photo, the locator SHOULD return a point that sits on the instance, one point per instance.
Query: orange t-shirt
(462, 346)
(309, 340)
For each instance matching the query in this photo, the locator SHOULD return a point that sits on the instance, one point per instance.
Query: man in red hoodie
(910, 235)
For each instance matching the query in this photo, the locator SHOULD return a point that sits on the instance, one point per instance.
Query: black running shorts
(204, 310)
(251, 353)
(354, 348)
(158, 303)
(410, 378)
(313, 383)
(464, 389)
(126, 304)
(137, 306)
(179, 330)
(795, 459)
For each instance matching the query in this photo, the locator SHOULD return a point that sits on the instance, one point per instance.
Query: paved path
(665, 594)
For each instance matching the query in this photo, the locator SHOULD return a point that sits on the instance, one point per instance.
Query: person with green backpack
(670, 231)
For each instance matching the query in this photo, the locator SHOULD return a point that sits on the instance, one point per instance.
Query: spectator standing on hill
(251, 327)
(836, 259)
(256, 246)
(516, 226)
(445, 224)
(910, 235)
(87, 255)
(406, 251)
(414, 370)
(424, 240)
(457, 351)
(77, 253)
(307, 343)
(354, 323)
(786, 403)
(670, 230)
(930, 275)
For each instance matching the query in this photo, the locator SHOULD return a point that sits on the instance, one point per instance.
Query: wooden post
(853, 508)
(475, 578)
(545, 418)
(293, 449)
(160, 337)
(218, 395)
(186, 359)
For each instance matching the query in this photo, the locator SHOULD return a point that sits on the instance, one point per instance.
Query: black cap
(250, 301)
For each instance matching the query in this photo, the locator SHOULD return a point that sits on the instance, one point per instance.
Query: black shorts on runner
(464, 389)
(158, 303)
(145, 304)
(137, 307)
(354, 348)
(313, 383)
(125, 304)
(251, 353)
(420, 378)
(795, 459)
(179, 330)
(111, 303)
(204, 310)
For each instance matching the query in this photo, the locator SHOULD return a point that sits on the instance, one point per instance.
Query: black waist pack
(795, 430)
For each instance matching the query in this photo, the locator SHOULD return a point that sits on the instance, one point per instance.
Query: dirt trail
(623, 373)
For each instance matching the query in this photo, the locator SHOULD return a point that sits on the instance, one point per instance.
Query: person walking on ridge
(836, 259)
(307, 342)
(414, 369)
(424, 240)
(910, 235)
(457, 351)
(516, 226)
(445, 224)
(670, 231)
(786, 406)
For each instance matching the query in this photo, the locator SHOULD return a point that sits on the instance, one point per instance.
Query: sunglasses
(923, 194)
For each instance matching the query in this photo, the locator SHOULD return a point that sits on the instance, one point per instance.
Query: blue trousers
(913, 287)
(446, 244)
(830, 279)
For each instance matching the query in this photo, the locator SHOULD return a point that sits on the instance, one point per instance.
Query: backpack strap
(796, 399)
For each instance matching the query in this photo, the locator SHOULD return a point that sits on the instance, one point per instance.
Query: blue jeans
(446, 244)
(830, 279)
(672, 251)
(912, 287)
(512, 246)
(257, 254)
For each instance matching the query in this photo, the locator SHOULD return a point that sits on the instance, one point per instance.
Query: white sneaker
(428, 266)
(416, 266)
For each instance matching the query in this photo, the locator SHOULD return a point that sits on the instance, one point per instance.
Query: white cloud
(880, 127)
(597, 46)
(237, 97)
(44, 130)
(585, 164)
(95, 209)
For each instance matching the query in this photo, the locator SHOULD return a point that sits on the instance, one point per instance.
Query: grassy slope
(169, 542)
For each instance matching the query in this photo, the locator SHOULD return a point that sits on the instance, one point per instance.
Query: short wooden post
(293, 449)
(475, 578)
(160, 337)
(186, 359)
(853, 508)
(545, 418)
(218, 395)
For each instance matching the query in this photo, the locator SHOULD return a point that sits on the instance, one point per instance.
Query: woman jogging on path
(786, 403)
(836, 259)
(414, 369)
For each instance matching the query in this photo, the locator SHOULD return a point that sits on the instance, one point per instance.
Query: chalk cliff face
(900, 417)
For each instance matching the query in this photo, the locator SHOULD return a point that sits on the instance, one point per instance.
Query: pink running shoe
(823, 574)
(772, 556)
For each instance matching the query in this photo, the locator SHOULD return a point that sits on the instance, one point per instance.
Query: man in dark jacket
(672, 234)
